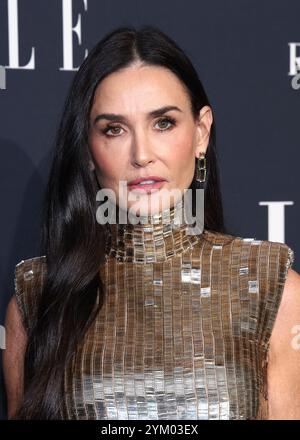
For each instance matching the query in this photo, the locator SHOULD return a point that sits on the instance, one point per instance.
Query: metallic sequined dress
(184, 329)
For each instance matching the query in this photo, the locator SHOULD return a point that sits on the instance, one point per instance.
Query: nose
(142, 152)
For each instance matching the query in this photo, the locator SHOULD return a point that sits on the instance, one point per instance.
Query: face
(141, 125)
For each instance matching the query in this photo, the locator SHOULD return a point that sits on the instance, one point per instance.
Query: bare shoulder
(288, 316)
(13, 356)
(284, 354)
(13, 322)
(288, 313)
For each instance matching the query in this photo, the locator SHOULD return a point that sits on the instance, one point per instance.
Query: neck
(156, 238)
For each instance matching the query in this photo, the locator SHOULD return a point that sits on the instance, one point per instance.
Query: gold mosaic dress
(184, 330)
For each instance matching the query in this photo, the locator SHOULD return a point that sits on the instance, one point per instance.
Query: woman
(146, 321)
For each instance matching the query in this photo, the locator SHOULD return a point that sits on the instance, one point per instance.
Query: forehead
(139, 86)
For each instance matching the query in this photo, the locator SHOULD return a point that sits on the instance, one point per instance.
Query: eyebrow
(152, 114)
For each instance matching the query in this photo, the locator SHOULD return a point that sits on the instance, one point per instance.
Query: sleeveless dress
(184, 329)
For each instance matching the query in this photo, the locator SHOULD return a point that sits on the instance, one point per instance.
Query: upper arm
(13, 356)
(284, 354)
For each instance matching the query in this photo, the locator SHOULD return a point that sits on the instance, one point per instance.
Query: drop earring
(201, 168)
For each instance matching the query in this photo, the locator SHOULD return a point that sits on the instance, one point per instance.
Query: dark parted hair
(72, 239)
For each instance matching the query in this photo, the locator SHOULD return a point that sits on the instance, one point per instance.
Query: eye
(114, 130)
(166, 121)
(111, 127)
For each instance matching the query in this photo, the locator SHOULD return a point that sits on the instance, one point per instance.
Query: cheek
(182, 154)
(181, 161)
(108, 166)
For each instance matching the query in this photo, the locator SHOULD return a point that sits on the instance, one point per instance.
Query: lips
(141, 179)
(153, 183)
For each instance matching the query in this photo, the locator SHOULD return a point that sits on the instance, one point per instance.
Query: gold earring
(201, 168)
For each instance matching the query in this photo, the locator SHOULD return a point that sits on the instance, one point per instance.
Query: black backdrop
(246, 53)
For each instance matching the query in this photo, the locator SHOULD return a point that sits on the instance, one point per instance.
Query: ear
(205, 121)
(91, 165)
(91, 161)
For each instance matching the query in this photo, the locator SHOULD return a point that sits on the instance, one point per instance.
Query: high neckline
(156, 238)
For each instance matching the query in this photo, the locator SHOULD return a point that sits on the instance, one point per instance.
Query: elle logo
(2, 78)
(68, 29)
(295, 65)
(276, 219)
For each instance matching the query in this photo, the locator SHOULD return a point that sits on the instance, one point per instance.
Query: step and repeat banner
(247, 55)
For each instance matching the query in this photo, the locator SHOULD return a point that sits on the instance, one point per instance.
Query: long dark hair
(72, 240)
